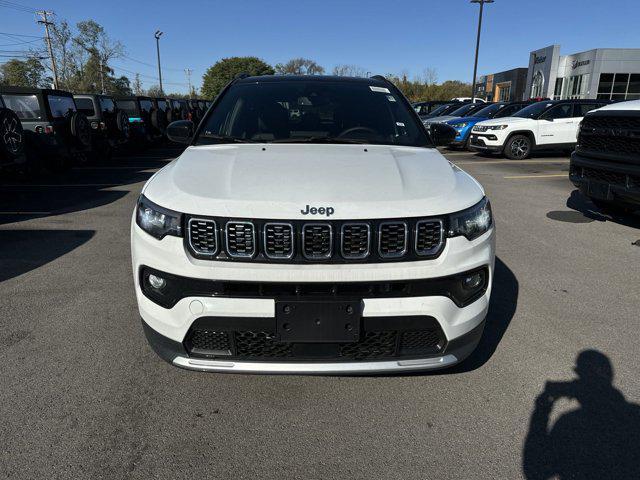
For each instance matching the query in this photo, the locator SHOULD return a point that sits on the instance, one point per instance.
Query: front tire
(518, 147)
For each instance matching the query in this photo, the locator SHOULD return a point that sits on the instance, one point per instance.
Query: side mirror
(181, 131)
(442, 134)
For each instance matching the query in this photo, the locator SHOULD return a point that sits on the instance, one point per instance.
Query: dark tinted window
(559, 111)
(61, 106)
(85, 105)
(463, 111)
(581, 109)
(437, 111)
(146, 105)
(533, 111)
(509, 110)
(27, 107)
(128, 106)
(314, 111)
(489, 110)
(107, 105)
(162, 105)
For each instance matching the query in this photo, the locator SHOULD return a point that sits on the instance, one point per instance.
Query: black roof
(131, 97)
(92, 95)
(314, 78)
(34, 91)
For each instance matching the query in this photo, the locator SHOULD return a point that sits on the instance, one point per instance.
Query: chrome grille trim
(291, 236)
(215, 236)
(406, 240)
(317, 257)
(342, 240)
(432, 250)
(253, 235)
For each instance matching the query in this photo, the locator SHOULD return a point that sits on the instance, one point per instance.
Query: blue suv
(464, 125)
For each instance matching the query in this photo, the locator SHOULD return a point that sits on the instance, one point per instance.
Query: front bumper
(168, 328)
(605, 180)
(486, 142)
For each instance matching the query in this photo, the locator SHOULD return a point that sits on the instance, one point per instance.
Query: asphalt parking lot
(83, 396)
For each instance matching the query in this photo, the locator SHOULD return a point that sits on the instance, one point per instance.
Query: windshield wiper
(224, 138)
(322, 140)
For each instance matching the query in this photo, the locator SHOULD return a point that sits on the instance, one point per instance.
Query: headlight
(471, 222)
(157, 221)
(496, 127)
(459, 125)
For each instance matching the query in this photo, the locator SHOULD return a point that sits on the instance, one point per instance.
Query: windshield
(437, 111)
(489, 111)
(314, 112)
(462, 111)
(509, 110)
(533, 111)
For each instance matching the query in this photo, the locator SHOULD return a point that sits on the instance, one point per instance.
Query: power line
(17, 6)
(10, 35)
(150, 77)
(150, 65)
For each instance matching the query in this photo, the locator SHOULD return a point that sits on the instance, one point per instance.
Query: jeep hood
(278, 181)
(506, 121)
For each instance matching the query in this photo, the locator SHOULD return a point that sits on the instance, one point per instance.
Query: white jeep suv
(542, 125)
(312, 227)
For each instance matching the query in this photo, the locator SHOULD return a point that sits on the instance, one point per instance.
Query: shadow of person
(598, 440)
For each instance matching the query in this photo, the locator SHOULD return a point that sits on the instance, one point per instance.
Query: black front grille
(331, 241)
(278, 240)
(607, 176)
(261, 344)
(392, 239)
(356, 240)
(241, 239)
(429, 235)
(611, 134)
(203, 236)
(317, 241)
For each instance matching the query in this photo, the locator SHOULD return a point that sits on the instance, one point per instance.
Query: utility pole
(102, 75)
(45, 21)
(188, 72)
(475, 65)
(158, 34)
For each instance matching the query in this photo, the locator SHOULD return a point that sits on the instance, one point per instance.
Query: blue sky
(379, 36)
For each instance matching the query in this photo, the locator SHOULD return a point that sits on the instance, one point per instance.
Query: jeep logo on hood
(308, 210)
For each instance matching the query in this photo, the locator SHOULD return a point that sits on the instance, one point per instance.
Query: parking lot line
(26, 213)
(62, 185)
(508, 162)
(550, 175)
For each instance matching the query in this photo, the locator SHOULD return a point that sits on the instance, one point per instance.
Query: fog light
(157, 282)
(473, 281)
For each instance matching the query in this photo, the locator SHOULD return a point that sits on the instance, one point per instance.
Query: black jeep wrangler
(109, 125)
(11, 138)
(55, 132)
(142, 118)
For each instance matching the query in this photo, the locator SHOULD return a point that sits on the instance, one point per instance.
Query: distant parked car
(463, 125)
(196, 111)
(56, 133)
(140, 112)
(606, 163)
(109, 125)
(541, 125)
(442, 110)
(425, 108)
(469, 99)
(11, 138)
(464, 110)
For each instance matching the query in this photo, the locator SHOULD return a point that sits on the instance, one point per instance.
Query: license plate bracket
(599, 190)
(321, 321)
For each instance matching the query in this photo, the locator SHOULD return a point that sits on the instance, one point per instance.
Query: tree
(225, 70)
(119, 86)
(349, 71)
(154, 91)
(299, 66)
(137, 86)
(23, 73)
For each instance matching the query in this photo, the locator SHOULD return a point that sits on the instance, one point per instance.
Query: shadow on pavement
(85, 187)
(599, 439)
(24, 250)
(584, 211)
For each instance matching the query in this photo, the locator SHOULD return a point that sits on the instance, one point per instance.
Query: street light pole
(475, 65)
(158, 34)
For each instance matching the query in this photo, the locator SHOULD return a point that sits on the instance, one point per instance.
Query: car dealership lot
(83, 395)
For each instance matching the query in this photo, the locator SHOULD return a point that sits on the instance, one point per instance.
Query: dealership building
(605, 73)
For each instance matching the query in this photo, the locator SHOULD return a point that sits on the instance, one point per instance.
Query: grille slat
(241, 239)
(611, 134)
(356, 239)
(203, 236)
(317, 241)
(392, 241)
(278, 240)
(429, 235)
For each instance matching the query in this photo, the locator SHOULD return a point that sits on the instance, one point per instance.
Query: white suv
(542, 125)
(312, 227)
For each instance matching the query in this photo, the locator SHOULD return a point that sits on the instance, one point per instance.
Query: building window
(503, 92)
(537, 85)
(557, 92)
(619, 86)
(577, 86)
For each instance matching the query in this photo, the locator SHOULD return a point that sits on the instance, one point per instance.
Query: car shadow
(24, 250)
(584, 211)
(86, 186)
(600, 438)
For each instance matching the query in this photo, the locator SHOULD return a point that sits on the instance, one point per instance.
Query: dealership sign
(538, 60)
(579, 63)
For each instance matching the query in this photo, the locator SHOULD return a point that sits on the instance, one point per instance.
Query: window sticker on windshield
(379, 89)
(391, 98)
